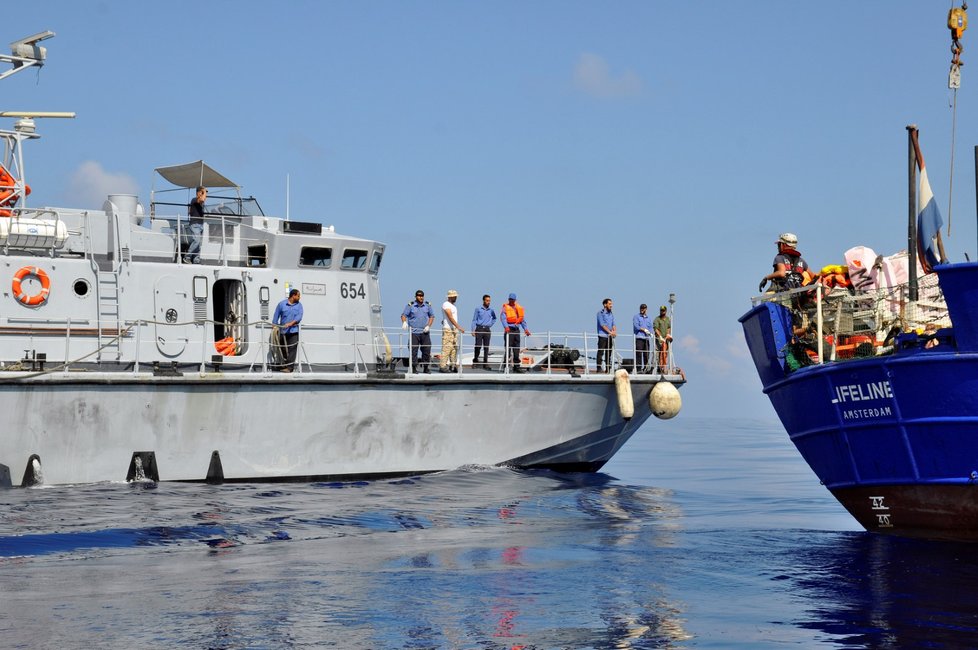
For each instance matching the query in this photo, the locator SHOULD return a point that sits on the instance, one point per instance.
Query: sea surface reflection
(705, 533)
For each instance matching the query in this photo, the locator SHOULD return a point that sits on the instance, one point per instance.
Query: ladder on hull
(109, 321)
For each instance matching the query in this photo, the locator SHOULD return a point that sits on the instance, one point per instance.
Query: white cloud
(737, 347)
(592, 76)
(688, 347)
(90, 184)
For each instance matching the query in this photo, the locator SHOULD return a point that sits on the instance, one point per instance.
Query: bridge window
(354, 259)
(258, 255)
(375, 261)
(316, 256)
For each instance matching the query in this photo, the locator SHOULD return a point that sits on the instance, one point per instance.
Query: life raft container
(37, 298)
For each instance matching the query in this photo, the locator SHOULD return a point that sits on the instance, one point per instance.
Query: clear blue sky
(567, 151)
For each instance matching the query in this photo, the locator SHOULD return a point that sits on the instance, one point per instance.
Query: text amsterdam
(865, 392)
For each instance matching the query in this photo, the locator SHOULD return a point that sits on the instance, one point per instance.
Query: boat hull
(307, 428)
(894, 438)
(937, 511)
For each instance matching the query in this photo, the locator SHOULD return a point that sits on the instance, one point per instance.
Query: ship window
(375, 261)
(354, 259)
(81, 288)
(258, 255)
(315, 256)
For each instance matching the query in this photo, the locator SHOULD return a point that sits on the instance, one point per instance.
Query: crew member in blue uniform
(287, 316)
(482, 321)
(642, 329)
(419, 315)
(606, 334)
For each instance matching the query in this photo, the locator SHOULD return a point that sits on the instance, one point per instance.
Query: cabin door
(230, 317)
(173, 315)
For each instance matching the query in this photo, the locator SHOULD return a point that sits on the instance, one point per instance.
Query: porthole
(81, 287)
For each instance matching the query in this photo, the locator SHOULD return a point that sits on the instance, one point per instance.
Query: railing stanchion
(587, 366)
(356, 364)
(139, 335)
(550, 353)
(67, 342)
(818, 318)
(203, 348)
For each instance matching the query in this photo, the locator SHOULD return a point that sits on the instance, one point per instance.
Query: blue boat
(878, 387)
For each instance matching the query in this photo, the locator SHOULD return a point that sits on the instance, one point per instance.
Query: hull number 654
(352, 290)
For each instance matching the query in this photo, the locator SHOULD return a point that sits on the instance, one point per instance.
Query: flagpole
(912, 212)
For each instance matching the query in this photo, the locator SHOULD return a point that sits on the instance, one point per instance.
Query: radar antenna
(25, 53)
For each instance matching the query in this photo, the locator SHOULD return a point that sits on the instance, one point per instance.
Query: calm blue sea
(702, 533)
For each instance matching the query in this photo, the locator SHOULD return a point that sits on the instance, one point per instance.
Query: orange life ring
(37, 298)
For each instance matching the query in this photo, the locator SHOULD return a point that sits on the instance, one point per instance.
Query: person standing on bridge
(196, 213)
(419, 316)
(450, 329)
(513, 318)
(482, 321)
(607, 331)
(287, 316)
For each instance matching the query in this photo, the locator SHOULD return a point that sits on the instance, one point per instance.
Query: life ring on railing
(37, 298)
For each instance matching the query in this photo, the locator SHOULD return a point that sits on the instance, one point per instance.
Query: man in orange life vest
(512, 320)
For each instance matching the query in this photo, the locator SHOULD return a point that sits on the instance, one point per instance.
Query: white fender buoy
(664, 400)
(623, 386)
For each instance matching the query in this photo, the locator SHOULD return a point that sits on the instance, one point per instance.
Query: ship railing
(234, 248)
(358, 349)
(549, 353)
(840, 324)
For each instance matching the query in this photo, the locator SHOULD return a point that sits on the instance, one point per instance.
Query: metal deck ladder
(109, 322)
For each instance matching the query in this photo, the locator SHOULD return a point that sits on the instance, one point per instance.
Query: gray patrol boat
(121, 361)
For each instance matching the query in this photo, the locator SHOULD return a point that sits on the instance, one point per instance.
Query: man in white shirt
(450, 329)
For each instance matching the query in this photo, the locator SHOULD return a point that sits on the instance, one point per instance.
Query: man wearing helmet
(789, 266)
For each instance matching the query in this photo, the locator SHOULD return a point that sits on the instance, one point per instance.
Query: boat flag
(929, 221)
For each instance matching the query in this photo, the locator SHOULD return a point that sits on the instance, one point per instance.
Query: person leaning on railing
(789, 266)
(287, 316)
(196, 212)
(662, 327)
(513, 319)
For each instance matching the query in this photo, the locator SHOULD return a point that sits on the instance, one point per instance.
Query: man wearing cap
(450, 329)
(607, 331)
(662, 327)
(482, 321)
(513, 319)
(419, 316)
(789, 266)
(642, 329)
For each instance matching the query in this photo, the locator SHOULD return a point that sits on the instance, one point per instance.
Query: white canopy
(193, 174)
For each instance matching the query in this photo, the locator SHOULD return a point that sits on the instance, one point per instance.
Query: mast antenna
(957, 22)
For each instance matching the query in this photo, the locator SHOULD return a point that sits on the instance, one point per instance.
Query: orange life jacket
(513, 313)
